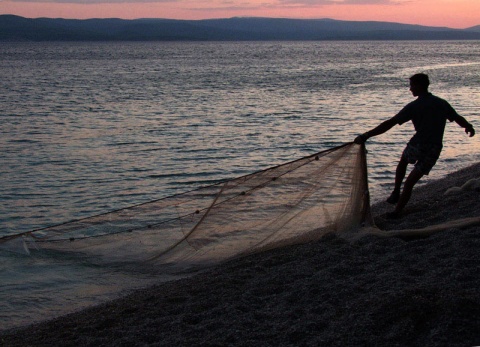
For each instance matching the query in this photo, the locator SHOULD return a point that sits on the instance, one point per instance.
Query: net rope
(296, 202)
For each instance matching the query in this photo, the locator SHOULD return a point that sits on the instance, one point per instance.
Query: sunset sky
(450, 13)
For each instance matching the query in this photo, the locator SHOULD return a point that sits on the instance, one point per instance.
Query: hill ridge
(16, 28)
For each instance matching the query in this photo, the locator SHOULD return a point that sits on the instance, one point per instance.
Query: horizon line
(240, 17)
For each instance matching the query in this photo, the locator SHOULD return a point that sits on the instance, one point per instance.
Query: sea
(91, 127)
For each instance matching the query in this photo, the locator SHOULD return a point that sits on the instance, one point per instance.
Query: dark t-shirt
(429, 115)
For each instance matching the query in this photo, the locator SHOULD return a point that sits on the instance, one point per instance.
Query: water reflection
(93, 127)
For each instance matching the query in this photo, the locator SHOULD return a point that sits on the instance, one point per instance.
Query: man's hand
(360, 139)
(469, 130)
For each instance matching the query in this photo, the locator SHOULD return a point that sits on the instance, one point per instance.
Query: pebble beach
(339, 291)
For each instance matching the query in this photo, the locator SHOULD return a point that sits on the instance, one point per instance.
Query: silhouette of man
(429, 115)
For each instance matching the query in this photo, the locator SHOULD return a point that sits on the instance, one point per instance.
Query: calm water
(91, 127)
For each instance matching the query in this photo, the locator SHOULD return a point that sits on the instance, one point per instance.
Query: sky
(444, 13)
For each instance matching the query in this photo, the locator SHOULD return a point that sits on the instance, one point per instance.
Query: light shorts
(424, 156)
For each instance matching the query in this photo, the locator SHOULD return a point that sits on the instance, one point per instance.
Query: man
(428, 114)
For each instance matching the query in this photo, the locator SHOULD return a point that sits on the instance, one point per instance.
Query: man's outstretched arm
(466, 125)
(378, 130)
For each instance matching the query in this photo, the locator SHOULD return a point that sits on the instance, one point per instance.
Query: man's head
(419, 84)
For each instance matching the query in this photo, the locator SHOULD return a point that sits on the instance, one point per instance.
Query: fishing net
(296, 202)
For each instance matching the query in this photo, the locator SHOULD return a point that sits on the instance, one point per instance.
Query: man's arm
(378, 130)
(464, 124)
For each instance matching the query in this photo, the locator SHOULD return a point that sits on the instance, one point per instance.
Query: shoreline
(368, 291)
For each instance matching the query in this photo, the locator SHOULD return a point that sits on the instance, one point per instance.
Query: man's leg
(412, 179)
(399, 176)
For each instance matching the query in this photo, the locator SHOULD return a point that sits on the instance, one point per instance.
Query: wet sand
(372, 290)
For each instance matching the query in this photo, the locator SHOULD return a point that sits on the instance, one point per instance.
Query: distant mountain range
(15, 28)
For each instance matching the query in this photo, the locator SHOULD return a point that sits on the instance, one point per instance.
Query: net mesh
(291, 203)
